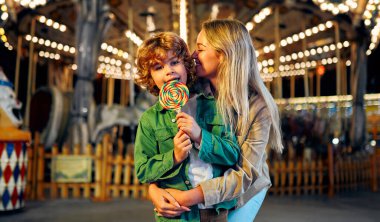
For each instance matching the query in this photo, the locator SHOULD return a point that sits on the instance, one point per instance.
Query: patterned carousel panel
(13, 166)
(12, 197)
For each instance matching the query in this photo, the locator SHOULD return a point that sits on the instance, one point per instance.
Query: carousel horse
(116, 115)
(13, 149)
(9, 106)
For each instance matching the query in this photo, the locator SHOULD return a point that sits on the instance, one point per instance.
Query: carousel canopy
(309, 33)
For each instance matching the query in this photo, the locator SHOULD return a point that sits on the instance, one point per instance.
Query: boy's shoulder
(149, 112)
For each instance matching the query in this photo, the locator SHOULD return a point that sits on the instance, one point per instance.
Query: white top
(199, 171)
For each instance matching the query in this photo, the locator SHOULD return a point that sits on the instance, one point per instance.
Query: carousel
(69, 107)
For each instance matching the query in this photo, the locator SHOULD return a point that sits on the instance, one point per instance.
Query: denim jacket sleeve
(252, 166)
(151, 166)
(218, 144)
(223, 150)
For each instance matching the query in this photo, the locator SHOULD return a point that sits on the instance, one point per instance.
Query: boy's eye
(157, 67)
(174, 62)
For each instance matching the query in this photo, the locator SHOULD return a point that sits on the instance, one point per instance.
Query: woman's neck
(214, 85)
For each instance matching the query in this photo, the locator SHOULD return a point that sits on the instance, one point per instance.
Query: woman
(226, 57)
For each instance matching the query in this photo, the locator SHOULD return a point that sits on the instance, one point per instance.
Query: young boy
(180, 151)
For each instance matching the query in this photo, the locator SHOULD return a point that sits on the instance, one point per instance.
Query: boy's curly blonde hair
(155, 49)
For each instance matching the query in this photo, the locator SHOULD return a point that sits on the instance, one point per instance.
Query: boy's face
(169, 69)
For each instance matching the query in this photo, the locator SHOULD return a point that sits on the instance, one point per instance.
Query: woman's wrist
(195, 196)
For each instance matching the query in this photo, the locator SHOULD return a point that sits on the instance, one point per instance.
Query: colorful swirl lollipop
(174, 95)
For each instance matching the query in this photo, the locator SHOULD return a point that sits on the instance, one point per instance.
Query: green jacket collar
(158, 107)
(205, 89)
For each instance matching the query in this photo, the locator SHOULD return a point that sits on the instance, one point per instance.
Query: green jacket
(154, 150)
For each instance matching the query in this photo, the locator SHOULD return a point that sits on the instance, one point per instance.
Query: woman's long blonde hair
(238, 76)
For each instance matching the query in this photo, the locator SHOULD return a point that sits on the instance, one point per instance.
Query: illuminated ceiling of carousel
(310, 31)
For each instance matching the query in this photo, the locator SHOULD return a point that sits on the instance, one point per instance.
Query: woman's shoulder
(257, 106)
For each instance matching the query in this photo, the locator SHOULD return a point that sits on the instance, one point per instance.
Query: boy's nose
(169, 71)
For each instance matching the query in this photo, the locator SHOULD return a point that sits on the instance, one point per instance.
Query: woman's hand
(188, 197)
(178, 195)
(187, 124)
(165, 204)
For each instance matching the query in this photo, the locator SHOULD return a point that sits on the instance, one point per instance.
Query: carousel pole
(123, 102)
(104, 88)
(305, 76)
(358, 83)
(277, 53)
(192, 21)
(34, 71)
(311, 79)
(318, 84)
(110, 91)
(92, 24)
(130, 48)
(338, 79)
(67, 73)
(50, 74)
(71, 79)
(344, 78)
(123, 92)
(18, 58)
(338, 65)
(292, 86)
(131, 85)
(30, 74)
(267, 84)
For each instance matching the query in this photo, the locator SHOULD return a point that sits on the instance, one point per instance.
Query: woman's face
(206, 58)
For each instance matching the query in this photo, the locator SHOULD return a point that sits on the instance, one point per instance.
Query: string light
(48, 43)
(296, 69)
(116, 72)
(375, 35)
(132, 36)
(183, 20)
(108, 60)
(297, 37)
(307, 53)
(372, 8)
(111, 49)
(110, 71)
(49, 55)
(336, 7)
(4, 39)
(31, 3)
(4, 11)
(258, 18)
(325, 99)
(49, 22)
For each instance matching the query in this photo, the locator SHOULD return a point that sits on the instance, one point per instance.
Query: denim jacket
(154, 150)
(251, 174)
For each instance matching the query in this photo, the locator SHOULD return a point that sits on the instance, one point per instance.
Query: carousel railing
(113, 170)
(113, 174)
(298, 177)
